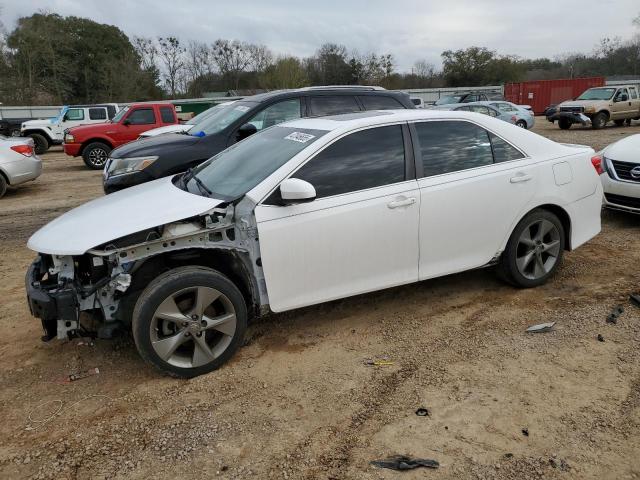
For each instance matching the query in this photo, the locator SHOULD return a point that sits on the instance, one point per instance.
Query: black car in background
(148, 159)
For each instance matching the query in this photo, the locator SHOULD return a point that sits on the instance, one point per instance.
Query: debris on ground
(525, 432)
(541, 327)
(615, 313)
(600, 338)
(403, 462)
(634, 298)
(377, 363)
(80, 375)
(422, 412)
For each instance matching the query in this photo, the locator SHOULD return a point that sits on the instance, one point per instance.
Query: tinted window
(479, 109)
(365, 159)
(75, 114)
(277, 113)
(633, 92)
(166, 114)
(471, 98)
(502, 151)
(97, 114)
(505, 107)
(451, 146)
(381, 103)
(333, 105)
(142, 116)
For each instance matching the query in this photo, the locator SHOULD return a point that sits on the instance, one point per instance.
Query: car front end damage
(572, 115)
(95, 293)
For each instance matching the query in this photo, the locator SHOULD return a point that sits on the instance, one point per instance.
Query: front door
(360, 233)
(136, 122)
(621, 108)
(474, 185)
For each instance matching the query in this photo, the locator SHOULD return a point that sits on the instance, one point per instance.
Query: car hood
(155, 145)
(582, 103)
(38, 123)
(93, 128)
(122, 213)
(177, 128)
(625, 150)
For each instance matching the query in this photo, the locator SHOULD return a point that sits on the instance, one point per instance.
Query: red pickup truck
(95, 142)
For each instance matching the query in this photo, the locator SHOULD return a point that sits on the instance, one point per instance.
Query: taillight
(26, 150)
(596, 161)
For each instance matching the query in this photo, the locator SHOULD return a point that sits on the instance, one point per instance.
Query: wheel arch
(231, 263)
(558, 211)
(4, 175)
(93, 140)
(39, 131)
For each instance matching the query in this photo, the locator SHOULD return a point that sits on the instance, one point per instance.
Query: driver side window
(622, 92)
(276, 113)
(74, 114)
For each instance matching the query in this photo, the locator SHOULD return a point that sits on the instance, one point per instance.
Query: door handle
(402, 203)
(520, 178)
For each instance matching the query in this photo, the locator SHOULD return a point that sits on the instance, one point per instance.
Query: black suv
(470, 97)
(151, 158)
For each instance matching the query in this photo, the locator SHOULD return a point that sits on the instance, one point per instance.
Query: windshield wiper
(189, 175)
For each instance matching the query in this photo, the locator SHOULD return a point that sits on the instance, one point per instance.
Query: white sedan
(306, 212)
(18, 162)
(620, 174)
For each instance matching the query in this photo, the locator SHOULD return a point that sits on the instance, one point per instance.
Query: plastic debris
(541, 327)
(422, 412)
(377, 363)
(80, 375)
(600, 338)
(525, 432)
(403, 462)
(634, 298)
(615, 313)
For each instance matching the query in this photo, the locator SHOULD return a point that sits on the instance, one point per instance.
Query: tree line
(51, 59)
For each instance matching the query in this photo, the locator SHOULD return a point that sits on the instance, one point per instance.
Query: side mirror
(126, 122)
(294, 190)
(245, 131)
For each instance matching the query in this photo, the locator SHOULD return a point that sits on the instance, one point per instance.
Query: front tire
(40, 143)
(599, 120)
(564, 124)
(521, 124)
(95, 155)
(189, 321)
(534, 251)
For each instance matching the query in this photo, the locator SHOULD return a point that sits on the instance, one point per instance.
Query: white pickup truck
(51, 131)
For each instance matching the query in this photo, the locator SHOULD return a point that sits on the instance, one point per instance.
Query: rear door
(167, 115)
(474, 185)
(359, 234)
(97, 114)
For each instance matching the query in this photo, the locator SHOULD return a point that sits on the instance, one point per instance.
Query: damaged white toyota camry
(306, 212)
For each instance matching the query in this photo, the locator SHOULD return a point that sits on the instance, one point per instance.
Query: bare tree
(147, 50)
(261, 58)
(232, 58)
(172, 56)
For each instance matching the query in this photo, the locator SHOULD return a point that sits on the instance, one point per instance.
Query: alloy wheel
(538, 249)
(98, 157)
(192, 327)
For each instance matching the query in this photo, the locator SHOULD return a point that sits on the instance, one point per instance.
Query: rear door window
(503, 151)
(633, 92)
(365, 159)
(451, 146)
(333, 105)
(166, 114)
(142, 116)
(97, 114)
(378, 102)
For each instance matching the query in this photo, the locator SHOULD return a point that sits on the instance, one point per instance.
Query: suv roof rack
(353, 87)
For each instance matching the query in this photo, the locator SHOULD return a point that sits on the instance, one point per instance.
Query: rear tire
(95, 155)
(534, 250)
(599, 120)
(564, 124)
(40, 143)
(3, 186)
(189, 321)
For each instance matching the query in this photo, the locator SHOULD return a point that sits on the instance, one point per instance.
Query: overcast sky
(409, 29)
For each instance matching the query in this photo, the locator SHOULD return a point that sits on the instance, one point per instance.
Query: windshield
(222, 118)
(202, 115)
(236, 170)
(597, 94)
(119, 115)
(449, 99)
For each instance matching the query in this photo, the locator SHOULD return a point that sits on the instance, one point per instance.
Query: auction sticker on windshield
(299, 137)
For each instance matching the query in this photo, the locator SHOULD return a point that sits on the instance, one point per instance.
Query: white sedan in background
(619, 166)
(18, 162)
(310, 211)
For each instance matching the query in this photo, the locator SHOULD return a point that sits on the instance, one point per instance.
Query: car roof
(334, 90)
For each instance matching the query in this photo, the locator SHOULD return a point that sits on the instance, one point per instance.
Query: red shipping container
(542, 93)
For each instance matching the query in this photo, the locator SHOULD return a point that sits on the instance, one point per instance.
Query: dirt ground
(298, 401)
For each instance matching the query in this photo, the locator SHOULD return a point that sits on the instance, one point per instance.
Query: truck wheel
(599, 120)
(534, 250)
(40, 143)
(189, 321)
(619, 123)
(564, 124)
(3, 186)
(95, 155)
